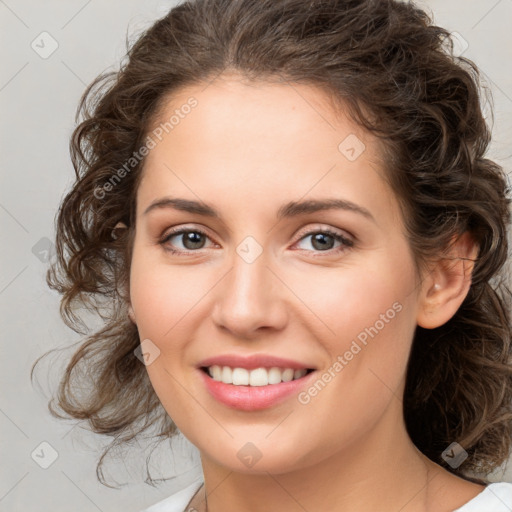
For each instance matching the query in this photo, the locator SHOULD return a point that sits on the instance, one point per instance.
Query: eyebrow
(288, 210)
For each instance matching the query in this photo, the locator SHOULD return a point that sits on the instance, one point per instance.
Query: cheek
(368, 314)
(163, 298)
(358, 302)
(162, 295)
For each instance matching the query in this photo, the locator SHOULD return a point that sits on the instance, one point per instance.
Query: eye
(324, 240)
(191, 240)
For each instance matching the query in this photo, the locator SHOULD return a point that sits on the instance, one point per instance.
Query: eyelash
(346, 243)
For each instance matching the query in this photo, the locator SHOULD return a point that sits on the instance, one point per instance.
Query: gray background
(38, 98)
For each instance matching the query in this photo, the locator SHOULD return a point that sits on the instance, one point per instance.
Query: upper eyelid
(178, 230)
(340, 232)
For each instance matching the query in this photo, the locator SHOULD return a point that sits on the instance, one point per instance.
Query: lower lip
(252, 398)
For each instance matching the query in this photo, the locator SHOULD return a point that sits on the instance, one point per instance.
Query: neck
(381, 471)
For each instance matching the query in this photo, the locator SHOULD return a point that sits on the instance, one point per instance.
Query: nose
(250, 300)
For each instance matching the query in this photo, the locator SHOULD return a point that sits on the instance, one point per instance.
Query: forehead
(267, 108)
(234, 135)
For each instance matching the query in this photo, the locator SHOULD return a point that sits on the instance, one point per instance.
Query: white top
(176, 502)
(496, 497)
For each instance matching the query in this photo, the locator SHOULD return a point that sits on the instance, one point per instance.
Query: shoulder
(176, 502)
(496, 497)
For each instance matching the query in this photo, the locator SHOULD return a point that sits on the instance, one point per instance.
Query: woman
(285, 216)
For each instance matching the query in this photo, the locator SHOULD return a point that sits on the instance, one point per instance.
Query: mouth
(255, 382)
(257, 377)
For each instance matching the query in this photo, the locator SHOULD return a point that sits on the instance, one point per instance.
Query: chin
(267, 456)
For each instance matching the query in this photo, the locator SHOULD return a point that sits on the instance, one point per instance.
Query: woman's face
(264, 278)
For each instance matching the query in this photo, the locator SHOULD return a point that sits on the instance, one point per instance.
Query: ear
(115, 235)
(117, 228)
(447, 283)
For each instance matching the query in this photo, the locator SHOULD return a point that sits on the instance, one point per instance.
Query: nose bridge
(250, 297)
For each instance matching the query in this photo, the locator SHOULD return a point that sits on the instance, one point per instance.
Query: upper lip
(252, 362)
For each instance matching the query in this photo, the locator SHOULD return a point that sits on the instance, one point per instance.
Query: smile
(254, 377)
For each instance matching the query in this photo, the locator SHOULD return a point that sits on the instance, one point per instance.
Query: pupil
(193, 240)
(320, 239)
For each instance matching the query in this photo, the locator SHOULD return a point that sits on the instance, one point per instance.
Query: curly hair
(397, 75)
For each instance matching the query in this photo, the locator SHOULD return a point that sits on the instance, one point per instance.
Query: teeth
(256, 377)
(297, 374)
(240, 377)
(216, 372)
(227, 375)
(274, 376)
(287, 375)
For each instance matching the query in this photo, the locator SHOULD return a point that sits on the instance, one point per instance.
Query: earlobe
(447, 283)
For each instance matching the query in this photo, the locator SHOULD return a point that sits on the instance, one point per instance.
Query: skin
(247, 149)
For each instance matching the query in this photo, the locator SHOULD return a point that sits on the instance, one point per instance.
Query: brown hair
(397, 75)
